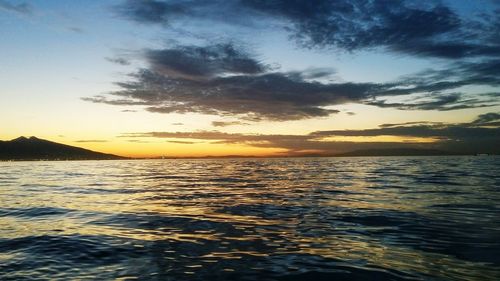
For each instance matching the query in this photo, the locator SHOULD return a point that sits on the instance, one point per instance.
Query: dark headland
(33, 148)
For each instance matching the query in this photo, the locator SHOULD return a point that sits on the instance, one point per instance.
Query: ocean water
(373, 218)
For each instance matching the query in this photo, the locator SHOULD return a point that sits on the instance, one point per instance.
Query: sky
(190, 78)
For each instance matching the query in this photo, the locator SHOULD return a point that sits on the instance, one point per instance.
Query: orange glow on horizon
(162, 148)
(155, 147)
(150, 147)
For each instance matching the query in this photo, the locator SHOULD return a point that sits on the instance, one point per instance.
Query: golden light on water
(319, 208)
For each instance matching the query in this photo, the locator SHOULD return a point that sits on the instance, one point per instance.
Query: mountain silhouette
(33, 148)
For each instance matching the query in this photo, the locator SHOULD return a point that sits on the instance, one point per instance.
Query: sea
(359, 218)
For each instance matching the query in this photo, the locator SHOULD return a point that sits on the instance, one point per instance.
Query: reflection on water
(413, 218)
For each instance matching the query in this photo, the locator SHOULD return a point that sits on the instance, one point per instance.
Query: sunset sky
(251, 77)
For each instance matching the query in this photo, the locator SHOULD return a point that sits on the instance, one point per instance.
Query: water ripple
(373, 218)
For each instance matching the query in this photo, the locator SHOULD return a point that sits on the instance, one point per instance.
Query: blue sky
(115, 72)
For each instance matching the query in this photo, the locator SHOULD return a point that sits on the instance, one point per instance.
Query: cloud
(222, 137)
(487, 119)
(227, 123)
(445, 132)
(425, 28)
(441, 102)
(228, 80)
(138, 141)
(167, 13)
(91, 141)
(183, 142)
(221, 80)
(76, 29)
(439, 89)
(270, 96)
(119, 60)
(479, 136)
(21, 8)
(103, 99)
(202, 63)
(353, 25)
(410, 123)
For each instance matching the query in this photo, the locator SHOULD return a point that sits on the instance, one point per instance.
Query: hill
(34, 148)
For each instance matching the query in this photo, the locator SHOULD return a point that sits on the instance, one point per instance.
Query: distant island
(397, 152)
(355, 153)
(34, 148)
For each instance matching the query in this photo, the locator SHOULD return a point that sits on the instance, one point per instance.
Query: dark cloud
(441, 102)
(449, 50)
(119, 60)
(487, 119)
(227, 123)
(424, 28)
(103, 99)
(21, 8)
(437, 89)
(167, 13)
(177, 124)
(194, 63)
(472, 137)
(352, 25)
(225, 138)
(411, 123)
(270, 96)
(209, 80)
(227, 80)
(491, 119)
(313, 73)
(479, 72)
(427, 130)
